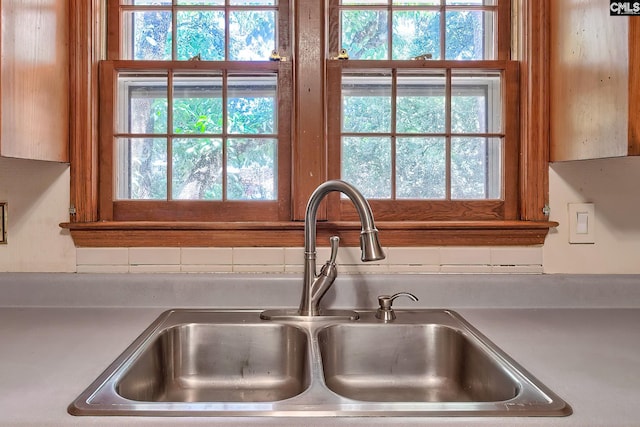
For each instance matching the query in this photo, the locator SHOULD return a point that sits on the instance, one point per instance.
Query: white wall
(38, 200)
(613, 186)
(38, 196)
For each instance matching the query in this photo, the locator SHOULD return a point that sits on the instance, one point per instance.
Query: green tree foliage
(200, 34)
(416, 33)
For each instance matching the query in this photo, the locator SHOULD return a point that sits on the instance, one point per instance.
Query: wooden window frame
(528, 226)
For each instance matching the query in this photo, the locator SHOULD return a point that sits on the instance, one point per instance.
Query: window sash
(496, 44)
(393, 209)
(169, 88)
(113, 208)
(122, 19)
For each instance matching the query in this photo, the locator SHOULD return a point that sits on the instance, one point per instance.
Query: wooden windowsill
(290, 234)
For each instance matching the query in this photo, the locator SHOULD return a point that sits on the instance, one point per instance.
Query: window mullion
(225, 131)
(393, 139)
(114, 42)
(443, 32)
(312, 70)
(226, 31)
(170, 135)
(447, 129)
(504, 27)
(389, 31)
(174, 25)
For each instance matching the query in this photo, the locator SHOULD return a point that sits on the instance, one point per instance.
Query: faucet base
(293, 314)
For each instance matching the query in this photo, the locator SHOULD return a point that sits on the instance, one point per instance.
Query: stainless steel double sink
(233, 363)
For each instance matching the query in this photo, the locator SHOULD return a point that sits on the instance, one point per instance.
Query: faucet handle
(335, 244)
(385, 312)
(329, 268)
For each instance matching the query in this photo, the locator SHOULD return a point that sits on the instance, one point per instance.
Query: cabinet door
(594, 96)
(34, 77)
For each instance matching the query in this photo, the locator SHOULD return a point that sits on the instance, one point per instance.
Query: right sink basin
(411, 363)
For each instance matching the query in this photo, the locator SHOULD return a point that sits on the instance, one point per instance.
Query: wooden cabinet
(34, 79)
(595, 82)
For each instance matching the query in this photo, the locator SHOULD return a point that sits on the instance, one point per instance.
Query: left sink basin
(189, 356)
(199, 362)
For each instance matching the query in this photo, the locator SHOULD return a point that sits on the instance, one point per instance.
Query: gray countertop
(584, 344)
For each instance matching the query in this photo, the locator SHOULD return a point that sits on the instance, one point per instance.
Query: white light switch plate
(582, 219)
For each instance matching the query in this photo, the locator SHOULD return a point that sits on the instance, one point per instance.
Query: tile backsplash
(290, 260)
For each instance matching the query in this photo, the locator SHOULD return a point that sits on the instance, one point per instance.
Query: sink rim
(317, 400)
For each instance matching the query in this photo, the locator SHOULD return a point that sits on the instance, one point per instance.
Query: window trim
(531, 48)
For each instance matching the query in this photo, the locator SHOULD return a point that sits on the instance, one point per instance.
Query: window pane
(252, 35)
(473, 2)
(416, 32)
(202, 2)
(476, 105)
(142, 103)
(150, 35)
(364, 34)
(200, 31)
(200, 34)
(253, 2)
(141, 168)
(145, 2)
(421, 168)
(251, 104)
(366, 163)
(197, 169)
(418, 2)
(366, 103)
(421, 103)
(251, 165)
(476, 168)
(364, 2)
(470, 35)
(197, 103)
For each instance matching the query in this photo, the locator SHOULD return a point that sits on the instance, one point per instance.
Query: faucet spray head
(370, 246)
